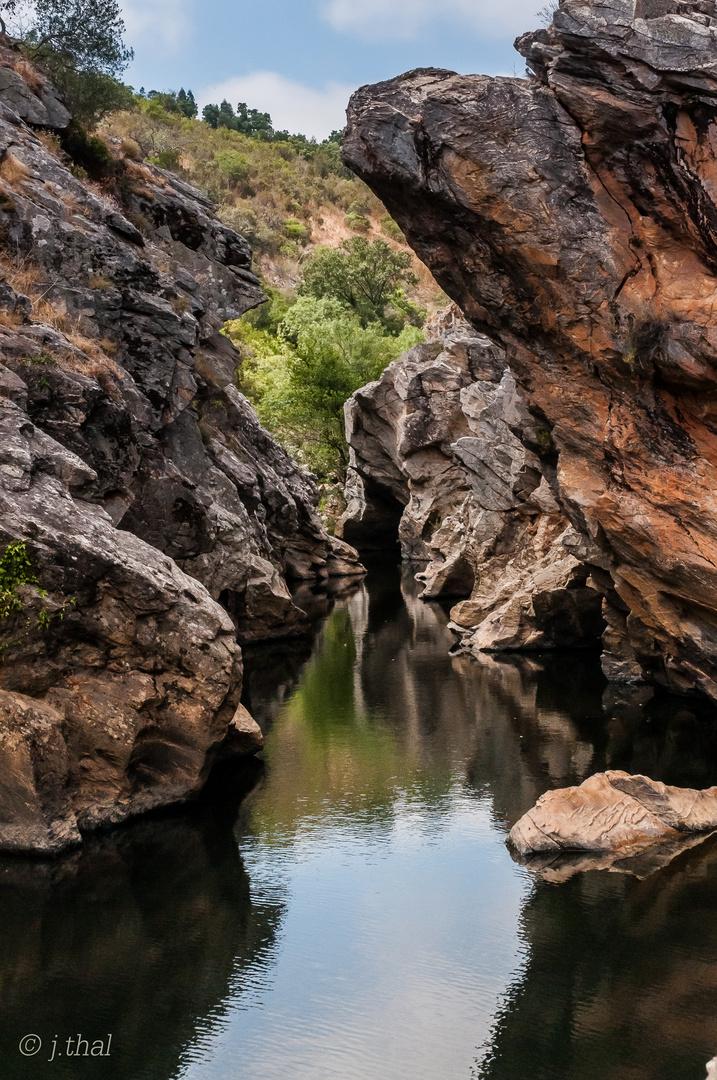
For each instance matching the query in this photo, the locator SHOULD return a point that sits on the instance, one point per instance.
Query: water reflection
(620, 981)
(359, 915)
(146, 934)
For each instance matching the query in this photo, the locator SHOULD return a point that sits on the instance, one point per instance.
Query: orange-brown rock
(616, 814)
(573, 218)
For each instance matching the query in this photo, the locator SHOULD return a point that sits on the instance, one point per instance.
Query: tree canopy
(365, 276)
(80, 43)
(88, 34)
(299, 379)
(245, 120)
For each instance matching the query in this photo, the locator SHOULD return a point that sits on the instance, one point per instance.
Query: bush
(390, 229)
(295, 230)
(88, 152)
(15, 569)
(165, 159)
(357, 222)
(234, 165)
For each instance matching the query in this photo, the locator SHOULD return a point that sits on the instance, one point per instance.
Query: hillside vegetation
(284, 192)
(347, 296)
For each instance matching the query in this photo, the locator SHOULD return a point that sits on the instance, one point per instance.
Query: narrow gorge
(569, 451)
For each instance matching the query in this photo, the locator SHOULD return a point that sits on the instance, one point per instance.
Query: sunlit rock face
(572, 217)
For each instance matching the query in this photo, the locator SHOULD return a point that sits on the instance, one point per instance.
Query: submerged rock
(629, 823)
(572, 216)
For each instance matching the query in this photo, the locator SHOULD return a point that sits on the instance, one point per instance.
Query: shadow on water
(144, 934)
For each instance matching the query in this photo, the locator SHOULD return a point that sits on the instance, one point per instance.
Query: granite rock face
(572, 216)
(445, 454)
(161, 522)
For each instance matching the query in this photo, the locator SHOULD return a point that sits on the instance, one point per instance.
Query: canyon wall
(572, 217)
(147, 522)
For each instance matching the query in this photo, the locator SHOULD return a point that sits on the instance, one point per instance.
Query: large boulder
(623, 821)
(572, 216)
(121, 676)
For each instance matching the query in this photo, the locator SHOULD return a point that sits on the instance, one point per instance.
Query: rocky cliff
(147, 520)
(572, 216)
(445, 453)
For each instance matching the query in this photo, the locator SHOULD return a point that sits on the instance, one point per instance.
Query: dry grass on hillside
(30, 279)
(13, 171)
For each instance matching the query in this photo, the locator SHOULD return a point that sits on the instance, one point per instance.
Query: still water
(357, 915)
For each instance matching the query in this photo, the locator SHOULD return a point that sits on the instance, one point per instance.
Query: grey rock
(38, 104)
(441, 458)
(121, 675)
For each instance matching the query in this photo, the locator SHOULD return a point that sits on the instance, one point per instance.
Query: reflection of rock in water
(140, 935)
(525, 723)
(272, 670)
(614, 963)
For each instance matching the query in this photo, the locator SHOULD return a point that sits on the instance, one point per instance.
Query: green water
(357, 915)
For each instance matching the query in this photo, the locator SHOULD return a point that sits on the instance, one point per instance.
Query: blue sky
(300, 59)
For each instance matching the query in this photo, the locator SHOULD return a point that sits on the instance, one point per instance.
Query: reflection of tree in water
(142, 934)
(272, 670)
(620, 981)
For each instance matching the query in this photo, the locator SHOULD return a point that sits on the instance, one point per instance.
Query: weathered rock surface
(631, 823)
(445, 441)
(141, 484)
(572, 217)
(120, 686)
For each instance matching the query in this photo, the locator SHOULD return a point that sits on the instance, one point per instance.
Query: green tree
(186, 103)
(210, 115)
(365, 276)
(299, 381)
(84, 34)
(253, 122)
(80, 44)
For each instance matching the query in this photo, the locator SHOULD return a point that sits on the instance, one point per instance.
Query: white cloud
(404, 19)
(293, 106)
(152, 23)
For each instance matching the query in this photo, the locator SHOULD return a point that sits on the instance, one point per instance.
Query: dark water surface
(359, 917)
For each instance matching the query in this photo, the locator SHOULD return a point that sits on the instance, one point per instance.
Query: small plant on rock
(15, 569)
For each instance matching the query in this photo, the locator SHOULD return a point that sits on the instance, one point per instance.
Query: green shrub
(234, 165)
(390, 229)
(15, 569)
(357, 222)
(88, 152)
(165, 159)
(295, 230)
